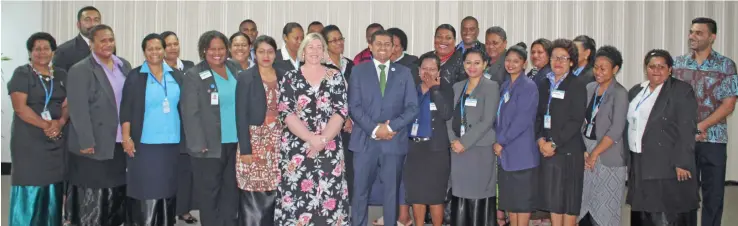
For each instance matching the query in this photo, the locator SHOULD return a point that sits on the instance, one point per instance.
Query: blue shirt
(160, 127)
(227, 102)
(424, 115)
(578, 71)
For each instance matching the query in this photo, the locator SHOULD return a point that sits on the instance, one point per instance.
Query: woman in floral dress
(313, 189)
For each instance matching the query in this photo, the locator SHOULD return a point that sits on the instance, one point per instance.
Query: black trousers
(215, 187)
(711, 161)
(663, 219)
(151, 212)
(474, 212)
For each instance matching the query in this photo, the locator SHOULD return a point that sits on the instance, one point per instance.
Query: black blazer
(567, 115)
(668, 141)
(71, 52)
(251, 104)
(411, 61)
(587, 75)
(347, 73)
(284, 64)
(187, 65)
(443, 97)
(133, 104)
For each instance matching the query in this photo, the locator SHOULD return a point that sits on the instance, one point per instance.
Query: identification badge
(165, 106)
(205, 74)
(634, 125)
(462, 130)
(433, 107)
(46, 115)
(589, 129)
(594, 112)
(558, 94)
(414, 130)
(507, 97)
(547, 121)
(214, 98)
(470, 102)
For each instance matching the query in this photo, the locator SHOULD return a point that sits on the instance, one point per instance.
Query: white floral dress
(313, 191)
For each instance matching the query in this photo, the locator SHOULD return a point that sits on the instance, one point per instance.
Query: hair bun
(522, 44)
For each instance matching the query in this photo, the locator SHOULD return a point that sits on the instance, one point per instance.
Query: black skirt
(152, 171)
(256, 208)
(561, 179)
(425, 174)
(96, 206)
(516, 190)
(91, 173)
(660, 195)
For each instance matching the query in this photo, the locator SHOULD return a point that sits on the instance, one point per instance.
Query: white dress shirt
(87, 40)
(379, 77)
(180, 65)
(286, 55)
(637, 118)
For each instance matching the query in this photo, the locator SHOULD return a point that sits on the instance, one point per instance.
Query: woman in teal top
(151, 130)
(209, 118)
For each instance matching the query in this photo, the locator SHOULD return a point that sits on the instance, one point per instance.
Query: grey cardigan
(201, 121)
(481, 118)
(610, 121)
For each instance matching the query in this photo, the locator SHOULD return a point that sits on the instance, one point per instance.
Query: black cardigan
(133, 104)
(251, 104)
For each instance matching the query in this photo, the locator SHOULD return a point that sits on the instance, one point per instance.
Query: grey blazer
(481, 118)
(201, 120)
(610, 121)
(92, 109)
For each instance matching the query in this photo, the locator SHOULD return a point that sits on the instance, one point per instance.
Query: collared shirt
(227, 103)
(399, 58)
(637, 119)
(286, 56)
(424, 115)
(379, 71)
(477, 45)
(713, 81)
(180, 64)
(117, 79)
(160, 127)
(87, 40)
(344, 63)
(363, 56)
(579, 71)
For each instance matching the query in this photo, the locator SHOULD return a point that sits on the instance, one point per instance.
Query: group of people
(254, 134)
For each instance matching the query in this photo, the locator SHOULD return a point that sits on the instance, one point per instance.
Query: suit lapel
(102, 77)
(82, 45)
(391, 80)
(658, 108)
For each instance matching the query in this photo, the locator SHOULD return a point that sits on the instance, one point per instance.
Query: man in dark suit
(72, 51)
(377, 151)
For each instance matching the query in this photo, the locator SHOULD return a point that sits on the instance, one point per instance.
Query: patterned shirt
(363, 56)
(714, 80)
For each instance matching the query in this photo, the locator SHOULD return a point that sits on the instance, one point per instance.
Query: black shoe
(189, 220)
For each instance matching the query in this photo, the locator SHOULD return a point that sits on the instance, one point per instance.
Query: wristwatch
(553, 144)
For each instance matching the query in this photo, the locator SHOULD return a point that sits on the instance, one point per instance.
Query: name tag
(165, 106)
(488, 76)
(462, 131)
(205, 74)
(46, 115)
(589, 129)
(414, 130)
(214, 98)
(433, 107)
(558, 94)
(470, 102)
(547, 121)
(507, 97)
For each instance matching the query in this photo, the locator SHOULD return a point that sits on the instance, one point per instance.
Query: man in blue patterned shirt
(713, 77)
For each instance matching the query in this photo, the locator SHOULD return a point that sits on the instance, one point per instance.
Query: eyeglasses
(341, 39)
(560, 58)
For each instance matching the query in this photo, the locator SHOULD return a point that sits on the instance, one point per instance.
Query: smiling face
(314, 52)
(240, 49)
(700, 37)
(249, 29)
(514, 63)
(604, 70)
(560, 63)
(381, 48)
(495, 46)
(154, 52)
(474, 65)
(469, 31)
(172, 49)
(657, 70)
(265, 55)
(103, 44)
(539, 56)
(443, 42)
(41, 53)
(215, 54)
(293, 39)
(335, 42)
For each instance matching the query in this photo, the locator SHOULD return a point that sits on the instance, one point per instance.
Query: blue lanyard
(163, 80)
(596, 104)
(47, 92)
(505, 91)
(461, 107)
(644, 98)
(554, 86)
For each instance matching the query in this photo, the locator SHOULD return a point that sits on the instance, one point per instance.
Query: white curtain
(632, 27)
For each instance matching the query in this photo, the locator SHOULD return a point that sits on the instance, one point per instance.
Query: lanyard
(163, 81)
(463, 103)
(554, 86)
(47, 91)
(596, 104)
(505, 92)
(644, 98)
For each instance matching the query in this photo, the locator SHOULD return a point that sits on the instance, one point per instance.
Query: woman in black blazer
(184, 168)
(152, 131)
(587, 47)
(399, 38)
(561, 112)
(660, 135)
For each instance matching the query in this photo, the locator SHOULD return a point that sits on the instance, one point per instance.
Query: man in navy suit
(382, 103)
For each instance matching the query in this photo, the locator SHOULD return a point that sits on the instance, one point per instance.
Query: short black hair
(470, 18)
(374, 25)
(151, 37)
(588, 43)
(520, 49)
(401, 35)
(430, 55)
(289, 27)
(498, 31)
(570, 48)
(315, 23)
(86, 8)
(658, 53)
(166, 34)
(96, 28)
(328, 29)
(246, 21)
(545, 43)
(40, 36)
(204, 42)
(234, 35)
(612, 54)
(381, 33)
(446, 27)
(711, 24)
(265, 39)
(485, 58)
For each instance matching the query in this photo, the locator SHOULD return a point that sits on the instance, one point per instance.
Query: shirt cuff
(374, 132)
